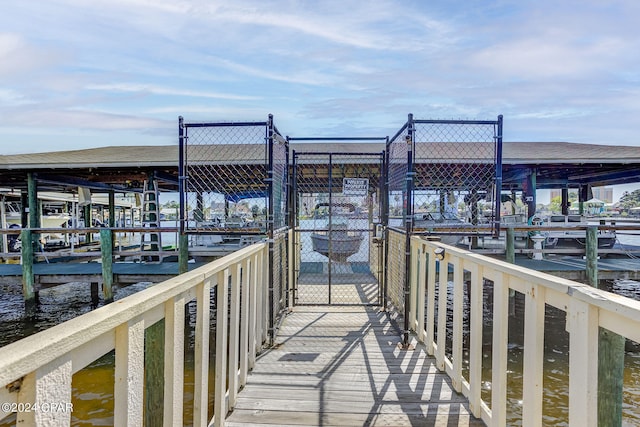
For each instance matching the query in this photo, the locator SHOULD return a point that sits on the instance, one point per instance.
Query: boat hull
(336, 245)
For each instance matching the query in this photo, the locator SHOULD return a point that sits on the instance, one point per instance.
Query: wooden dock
(341, 366)
(574, 267)
(47, 275)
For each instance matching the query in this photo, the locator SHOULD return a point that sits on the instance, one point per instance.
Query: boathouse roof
(555, 163)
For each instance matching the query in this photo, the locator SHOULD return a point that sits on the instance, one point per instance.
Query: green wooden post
(33, 217)
(592, 256)
(112, 216)
(28, 279)
(183, 253)
(154, 374)
(106, 247)
(610, 351)
(511, 246)
(88, 221)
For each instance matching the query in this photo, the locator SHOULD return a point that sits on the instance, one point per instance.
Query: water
(93, 386)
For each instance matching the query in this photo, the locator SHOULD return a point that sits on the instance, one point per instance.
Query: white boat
(337, 243)
(204, 247)
(573, 239)
(47, 220)
(432, 221)
(50, 218)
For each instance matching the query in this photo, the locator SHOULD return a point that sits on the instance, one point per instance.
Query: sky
(78, 74)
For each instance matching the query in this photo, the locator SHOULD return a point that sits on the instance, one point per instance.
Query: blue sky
(78, 74)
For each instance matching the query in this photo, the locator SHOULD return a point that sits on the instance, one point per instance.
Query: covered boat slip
(341, 366)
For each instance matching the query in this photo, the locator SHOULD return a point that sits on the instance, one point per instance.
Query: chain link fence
(457, 178)
(233, 192)
(337, 208)
(399, 162)
(225, 187)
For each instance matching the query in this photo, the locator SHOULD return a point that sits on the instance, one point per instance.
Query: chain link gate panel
(337, 209)
(457, 178)
(233, 192)
(398, 174)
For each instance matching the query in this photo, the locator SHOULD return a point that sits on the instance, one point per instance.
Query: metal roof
(556, 163)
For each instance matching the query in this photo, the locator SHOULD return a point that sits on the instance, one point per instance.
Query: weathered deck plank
(340, 366)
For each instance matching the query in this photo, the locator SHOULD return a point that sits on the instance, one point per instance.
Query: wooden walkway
(340, 366)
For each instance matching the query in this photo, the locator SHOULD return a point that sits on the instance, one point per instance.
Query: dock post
(511, 246)
(106, 247)
(95, 299)
(154, 374)
(610, 351)
(510, 254)
(28, 280)
(183, 253)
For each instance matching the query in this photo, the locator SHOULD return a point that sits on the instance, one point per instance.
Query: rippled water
(93, 386)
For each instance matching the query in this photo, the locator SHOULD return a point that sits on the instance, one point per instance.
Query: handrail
(587, 310)
(39, 368)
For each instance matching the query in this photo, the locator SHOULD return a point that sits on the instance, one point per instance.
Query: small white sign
(355, 186)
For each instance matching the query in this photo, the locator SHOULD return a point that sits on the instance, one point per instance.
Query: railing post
(499, 350)
(422, 279)
(234, 335)
(582, 324)
(458, 308)
(443, 285)
(222, 312)
(173, 361)
(201, 355)
(475, 346)
(48, 384)
(106, 248)
(532, 376)
(129, 374)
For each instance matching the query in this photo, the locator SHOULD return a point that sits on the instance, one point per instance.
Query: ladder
(150, 240)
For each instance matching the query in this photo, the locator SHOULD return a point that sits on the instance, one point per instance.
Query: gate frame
(274, 314)
(383, 207)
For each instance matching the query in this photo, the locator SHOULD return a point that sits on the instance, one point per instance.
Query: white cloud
(158, 90)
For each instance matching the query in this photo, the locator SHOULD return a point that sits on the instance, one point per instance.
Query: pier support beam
(88, 220)
(106, 247)
(28, 280)
(95, 299)
(564, 204)
(511, 246)
(154, 374)
(610, 351)
(183, 253)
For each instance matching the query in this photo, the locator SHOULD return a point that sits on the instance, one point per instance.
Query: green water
(93, 386)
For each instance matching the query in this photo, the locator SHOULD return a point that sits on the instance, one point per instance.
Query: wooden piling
(183, 253)
(154, 374)
(610, 351)
(28, 279)
(511, 246)
(95, 300)
(106, 247)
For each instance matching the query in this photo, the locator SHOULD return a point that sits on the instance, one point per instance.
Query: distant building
(601, 193)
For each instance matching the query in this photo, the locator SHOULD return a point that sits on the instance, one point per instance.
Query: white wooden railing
(36, 372)
(587, 309)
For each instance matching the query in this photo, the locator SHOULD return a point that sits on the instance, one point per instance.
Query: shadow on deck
(340, 366)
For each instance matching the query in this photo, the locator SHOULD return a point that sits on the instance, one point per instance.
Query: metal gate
(337, 213)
